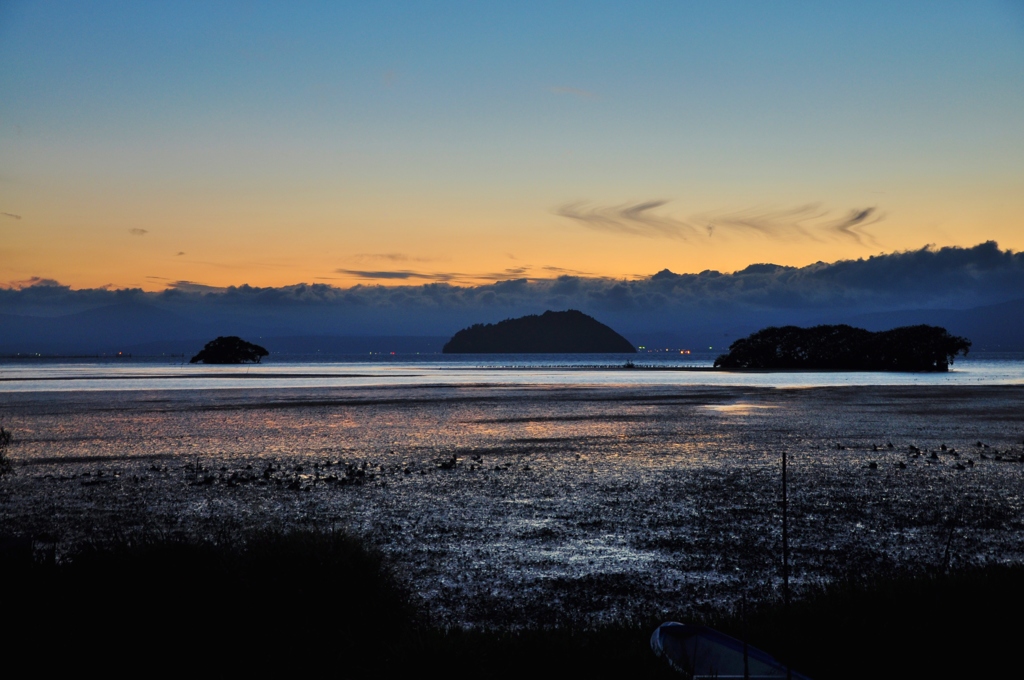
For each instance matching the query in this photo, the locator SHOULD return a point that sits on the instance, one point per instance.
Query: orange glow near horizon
(129, 250)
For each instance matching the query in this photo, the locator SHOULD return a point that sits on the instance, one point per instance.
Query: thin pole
(785, 565)
(746, 658)
(785, 538)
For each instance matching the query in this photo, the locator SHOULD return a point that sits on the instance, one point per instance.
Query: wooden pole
(785, 538)
(746, 658)
(785, 564)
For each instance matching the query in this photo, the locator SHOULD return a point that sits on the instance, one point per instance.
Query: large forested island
(547, 333)
(845, 348)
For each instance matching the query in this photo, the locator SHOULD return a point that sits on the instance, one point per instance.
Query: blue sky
(263, 143)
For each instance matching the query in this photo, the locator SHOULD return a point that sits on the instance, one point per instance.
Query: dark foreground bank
(324, 602)
(283, 602)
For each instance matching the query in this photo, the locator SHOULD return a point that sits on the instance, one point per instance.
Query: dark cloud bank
(978, 292)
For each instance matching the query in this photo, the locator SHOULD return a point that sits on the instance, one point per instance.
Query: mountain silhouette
(549, 333)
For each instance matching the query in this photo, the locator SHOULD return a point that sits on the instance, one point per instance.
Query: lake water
(655, 369)
(533, 489)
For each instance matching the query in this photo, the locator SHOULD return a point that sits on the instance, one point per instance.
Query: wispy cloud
(778, 223)
(513, 272)
(388, 257)
(452, 277)
(562, 271)
(11, 215)
(193, 287)
(852, 225)
(395, 275)
(135, 231)
(636, 219)
(810, 221)
(179, 253)
(510, 273)
(575, 91)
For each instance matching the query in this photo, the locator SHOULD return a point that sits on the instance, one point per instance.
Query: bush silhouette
(5, 461)
(842, 347)
(229, 349)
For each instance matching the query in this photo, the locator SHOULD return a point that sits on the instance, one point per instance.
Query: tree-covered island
(570, 331)
(229, 349)
(845, 348)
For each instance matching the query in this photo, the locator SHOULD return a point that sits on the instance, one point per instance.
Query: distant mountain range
(991, 328)
(143, 329)
(146, 330)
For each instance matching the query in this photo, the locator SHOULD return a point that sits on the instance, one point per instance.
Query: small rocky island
(548, 333)
(229, 349)
(845, 348)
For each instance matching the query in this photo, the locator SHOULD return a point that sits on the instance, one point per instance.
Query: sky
(160, 145)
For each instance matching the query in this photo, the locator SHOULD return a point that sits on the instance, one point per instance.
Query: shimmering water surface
(554, 370)
(508, 492)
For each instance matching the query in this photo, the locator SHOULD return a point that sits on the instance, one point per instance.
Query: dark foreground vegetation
(323, 602)
(570, 331)
(845, 348)
(6, 467)
(956, 625)
(285, 602)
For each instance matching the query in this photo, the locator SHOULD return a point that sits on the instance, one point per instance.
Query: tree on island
(229, 349)
(845, 348)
